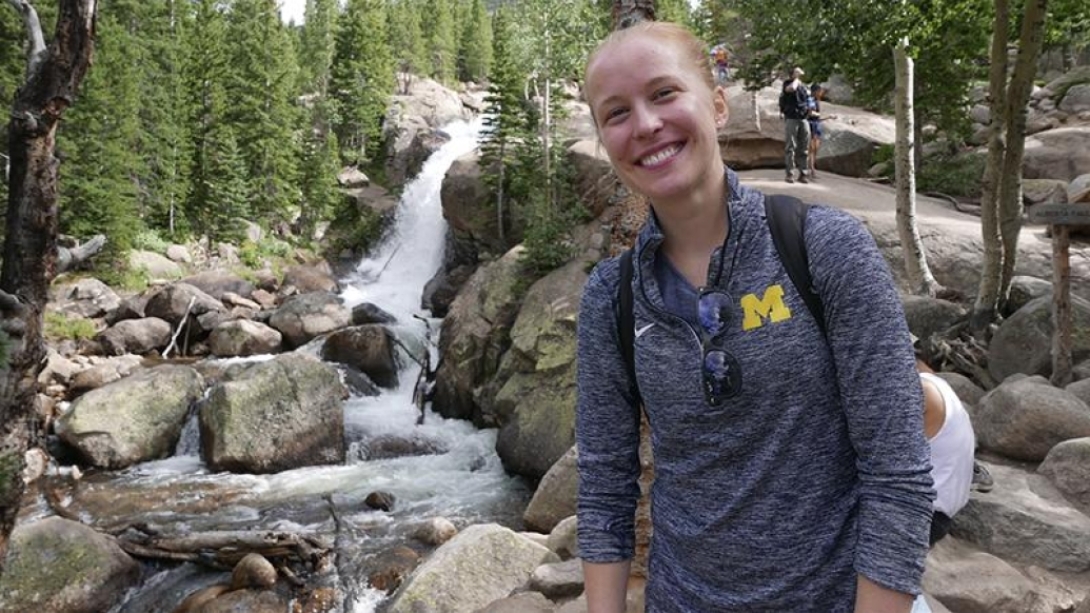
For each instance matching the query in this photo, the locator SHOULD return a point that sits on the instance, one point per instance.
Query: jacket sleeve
(882, 398)
(607, 427)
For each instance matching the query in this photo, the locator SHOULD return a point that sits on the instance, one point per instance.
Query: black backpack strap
(787, 222)
(626, 321)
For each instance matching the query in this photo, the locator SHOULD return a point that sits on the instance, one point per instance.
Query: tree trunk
(985, 309)
(753, 103)
(30, 249)
(1061, 306)
(546, 125)
(627, 13)
(1031, 40)
(919, 274)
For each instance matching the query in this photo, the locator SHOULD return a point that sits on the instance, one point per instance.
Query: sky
(293, 9)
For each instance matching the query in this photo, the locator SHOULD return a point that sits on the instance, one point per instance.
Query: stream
(459, 476)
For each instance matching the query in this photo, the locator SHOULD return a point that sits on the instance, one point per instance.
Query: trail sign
(1061, 213)
(1059, 216)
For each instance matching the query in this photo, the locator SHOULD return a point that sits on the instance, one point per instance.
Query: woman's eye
(615, 114)
(664, 93)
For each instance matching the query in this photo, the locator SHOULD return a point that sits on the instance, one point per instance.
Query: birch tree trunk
(547, 124)
(1031, 40)
(756, 110)
(630, 12)
(919, 274)
(987, 301)
(30, 249)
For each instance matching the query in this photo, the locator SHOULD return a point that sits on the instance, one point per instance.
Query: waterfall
(393, 277)
(441, 468)
(465, 479)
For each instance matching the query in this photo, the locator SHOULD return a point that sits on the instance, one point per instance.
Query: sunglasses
(721, 371)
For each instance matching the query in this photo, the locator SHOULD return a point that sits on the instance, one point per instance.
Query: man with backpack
(795, 108)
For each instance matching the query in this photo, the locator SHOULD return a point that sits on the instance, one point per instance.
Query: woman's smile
(658, 121)
(661, 156)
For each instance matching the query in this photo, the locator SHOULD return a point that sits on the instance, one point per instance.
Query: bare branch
(33, 26)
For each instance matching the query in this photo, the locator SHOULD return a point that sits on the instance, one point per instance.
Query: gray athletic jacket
(818, 470)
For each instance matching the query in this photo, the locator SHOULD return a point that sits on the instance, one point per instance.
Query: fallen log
(223, 550)
(71, 257)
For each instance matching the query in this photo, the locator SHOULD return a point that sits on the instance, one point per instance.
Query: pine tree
(406, 39)
(476, 46)
(223, 190)
(505, 118)
(164, 140)
(99, 147)
(12, 72)
(441, 42)
(205, 102)
(319, 180)
(12, 57)
(262, 112)
(559, 34)
(362, 80)
(317, 44)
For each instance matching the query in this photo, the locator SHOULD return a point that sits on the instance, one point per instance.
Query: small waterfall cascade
(440, 468)
(467, 480)
(394, 276)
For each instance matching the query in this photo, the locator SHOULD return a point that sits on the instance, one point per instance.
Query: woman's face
(657, 117)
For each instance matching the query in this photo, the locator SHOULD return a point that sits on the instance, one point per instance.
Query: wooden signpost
(1059, 216)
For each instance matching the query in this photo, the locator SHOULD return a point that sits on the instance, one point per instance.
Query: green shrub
(548, 245)
(149, 240)
(60, 326)
(254, 254)
(355, 229)
(120, 275)
(957, 175)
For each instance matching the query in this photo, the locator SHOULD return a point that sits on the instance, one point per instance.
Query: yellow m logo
(755, 310)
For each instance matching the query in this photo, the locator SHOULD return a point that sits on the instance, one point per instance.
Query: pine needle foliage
(362, 79)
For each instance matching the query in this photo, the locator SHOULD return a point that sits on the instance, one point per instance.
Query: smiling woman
(794, 444)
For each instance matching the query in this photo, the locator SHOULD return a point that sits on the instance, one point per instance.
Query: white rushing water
(394, 276)
(467, 481)
(455, 472)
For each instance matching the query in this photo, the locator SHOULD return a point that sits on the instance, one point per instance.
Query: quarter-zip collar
(742, 204)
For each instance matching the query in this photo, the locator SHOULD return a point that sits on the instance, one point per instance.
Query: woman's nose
(647, 121)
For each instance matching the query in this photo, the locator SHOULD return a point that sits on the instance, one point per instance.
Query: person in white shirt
(950, 433)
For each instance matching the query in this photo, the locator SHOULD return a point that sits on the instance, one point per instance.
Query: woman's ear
(722, 109)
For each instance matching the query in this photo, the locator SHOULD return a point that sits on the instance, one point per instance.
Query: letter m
(755, 310)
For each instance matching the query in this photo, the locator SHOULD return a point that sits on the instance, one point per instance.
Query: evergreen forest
(198, 113)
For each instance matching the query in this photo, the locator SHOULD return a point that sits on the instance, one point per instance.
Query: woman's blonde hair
(666, 32)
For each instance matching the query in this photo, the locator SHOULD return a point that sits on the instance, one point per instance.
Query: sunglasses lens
(722, 377)
(714, 310)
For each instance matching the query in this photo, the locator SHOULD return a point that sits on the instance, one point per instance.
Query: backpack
(786, 218)
(796, 104)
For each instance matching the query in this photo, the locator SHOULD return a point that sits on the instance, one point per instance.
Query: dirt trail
(877, 204)
(871, 201)
(952, 238)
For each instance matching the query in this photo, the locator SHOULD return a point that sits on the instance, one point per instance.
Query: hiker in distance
(791, 468)
(817, 131)
(795, 108)
(721, 60)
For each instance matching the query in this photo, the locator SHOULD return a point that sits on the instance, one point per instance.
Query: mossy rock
(59, 565)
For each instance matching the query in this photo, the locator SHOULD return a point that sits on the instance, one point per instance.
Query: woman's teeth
(661, 156)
